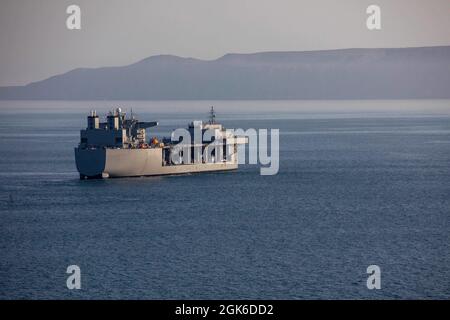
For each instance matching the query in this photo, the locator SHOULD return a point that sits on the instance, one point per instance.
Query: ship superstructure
(119, 147)
(116, 132)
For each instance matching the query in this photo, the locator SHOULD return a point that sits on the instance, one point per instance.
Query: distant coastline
(344, 74)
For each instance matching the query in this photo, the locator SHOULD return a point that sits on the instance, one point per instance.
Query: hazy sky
(35, 43)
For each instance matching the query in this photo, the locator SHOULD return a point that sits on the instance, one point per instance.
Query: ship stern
(91, 163)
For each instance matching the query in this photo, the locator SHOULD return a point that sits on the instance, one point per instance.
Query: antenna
(212, 116)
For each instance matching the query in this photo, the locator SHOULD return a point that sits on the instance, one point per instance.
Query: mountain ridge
(355, 73)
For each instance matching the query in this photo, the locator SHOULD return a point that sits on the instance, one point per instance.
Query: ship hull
(115, 163)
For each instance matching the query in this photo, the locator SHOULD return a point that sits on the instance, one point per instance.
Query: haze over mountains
(404, 73)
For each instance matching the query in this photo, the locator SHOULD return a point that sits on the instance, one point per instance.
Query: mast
(212, 116)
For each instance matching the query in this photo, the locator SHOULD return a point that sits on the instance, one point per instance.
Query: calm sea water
(360, 183)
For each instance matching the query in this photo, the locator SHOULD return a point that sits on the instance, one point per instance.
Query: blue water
(359, 184)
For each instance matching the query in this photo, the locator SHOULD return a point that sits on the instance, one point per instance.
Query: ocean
(360, 183)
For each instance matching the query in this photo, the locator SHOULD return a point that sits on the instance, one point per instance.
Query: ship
(119, 148)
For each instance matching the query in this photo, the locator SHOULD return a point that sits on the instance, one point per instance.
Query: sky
(36, 44)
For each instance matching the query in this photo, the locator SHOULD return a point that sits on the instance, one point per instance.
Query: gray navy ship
(119, 148)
